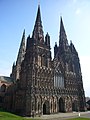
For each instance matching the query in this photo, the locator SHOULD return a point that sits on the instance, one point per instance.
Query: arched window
(58, 80)
(39, 60)
(43, 60)
(3, 88)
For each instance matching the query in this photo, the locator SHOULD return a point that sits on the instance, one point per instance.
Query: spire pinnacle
(23, 40)
(62, 25)
(62, 29)
(62, 36)
(38, 2)
(21, 49)
(38, 29)
(73, 49)
(23, 36)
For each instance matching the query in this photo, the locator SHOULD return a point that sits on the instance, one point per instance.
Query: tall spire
(62, 36)
(38, 29)
(63, 42)
(21, 49)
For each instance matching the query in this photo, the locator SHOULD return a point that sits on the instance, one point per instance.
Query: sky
(17, 15)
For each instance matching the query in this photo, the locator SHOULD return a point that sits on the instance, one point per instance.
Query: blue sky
(15, 15)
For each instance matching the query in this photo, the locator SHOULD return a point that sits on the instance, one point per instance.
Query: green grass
(9, 116)
(79, 119)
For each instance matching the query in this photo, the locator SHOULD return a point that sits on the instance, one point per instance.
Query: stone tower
(36, 76)
(71, 67)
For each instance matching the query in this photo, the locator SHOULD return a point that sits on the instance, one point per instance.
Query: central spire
(38, 29)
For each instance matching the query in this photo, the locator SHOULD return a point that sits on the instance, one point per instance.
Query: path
(62, 116)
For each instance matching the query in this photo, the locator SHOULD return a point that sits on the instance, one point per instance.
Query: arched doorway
(1, 99)
(74, 106)
(46, 108)
(61, 105)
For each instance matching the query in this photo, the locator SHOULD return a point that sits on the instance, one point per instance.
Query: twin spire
(62, 35)
(38, 32)
(38, 29)
(62, 29)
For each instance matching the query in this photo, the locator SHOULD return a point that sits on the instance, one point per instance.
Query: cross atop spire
(38, 29)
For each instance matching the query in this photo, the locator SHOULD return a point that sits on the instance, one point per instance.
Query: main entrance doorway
(46, 108)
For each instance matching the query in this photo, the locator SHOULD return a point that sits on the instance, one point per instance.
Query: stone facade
(43, 85)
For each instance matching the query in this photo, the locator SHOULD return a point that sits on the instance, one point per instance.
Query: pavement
(63, 116)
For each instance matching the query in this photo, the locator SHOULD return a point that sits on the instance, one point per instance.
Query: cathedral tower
(36, 69)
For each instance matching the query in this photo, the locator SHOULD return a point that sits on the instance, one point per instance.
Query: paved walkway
(62, 116)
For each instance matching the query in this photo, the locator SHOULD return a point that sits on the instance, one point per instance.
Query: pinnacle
(38, 18)
(21, 49)
(38, 29)
(62, 35)
(62, 29)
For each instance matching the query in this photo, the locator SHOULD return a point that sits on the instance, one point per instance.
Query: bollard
(79, 114)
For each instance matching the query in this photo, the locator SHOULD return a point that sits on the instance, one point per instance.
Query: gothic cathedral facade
(42, 85)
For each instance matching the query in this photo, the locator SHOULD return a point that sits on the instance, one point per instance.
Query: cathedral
(42, 85)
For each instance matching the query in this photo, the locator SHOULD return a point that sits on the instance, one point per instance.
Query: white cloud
(85, 67)
(74, 1)
(78, 11)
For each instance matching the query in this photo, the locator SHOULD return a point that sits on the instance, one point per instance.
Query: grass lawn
(79, 119)
(9, 116)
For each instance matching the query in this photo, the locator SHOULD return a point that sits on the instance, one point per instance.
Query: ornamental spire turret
(73, 49)
(47, 40)
(38, 29)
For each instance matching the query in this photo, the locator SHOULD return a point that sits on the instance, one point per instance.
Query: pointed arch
(46, 108)
(74, 106)
(61, 105)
